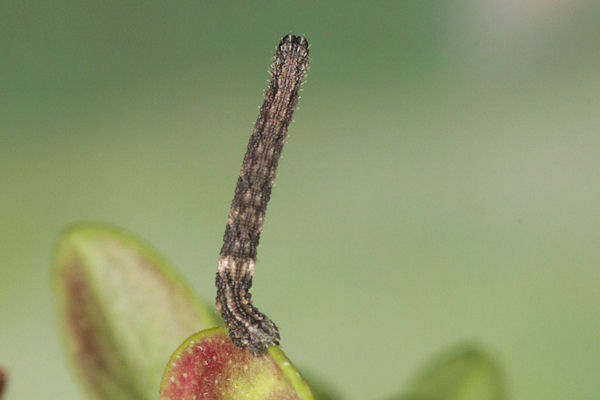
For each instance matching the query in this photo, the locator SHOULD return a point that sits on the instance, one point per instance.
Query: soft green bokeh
(440, 182)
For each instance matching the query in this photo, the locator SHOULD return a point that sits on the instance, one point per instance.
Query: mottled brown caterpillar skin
(248, 326)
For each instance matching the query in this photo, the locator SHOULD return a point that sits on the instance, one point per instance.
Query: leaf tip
(208, 365)
(464, 372)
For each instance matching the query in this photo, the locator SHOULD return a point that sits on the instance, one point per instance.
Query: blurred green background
(440, 183)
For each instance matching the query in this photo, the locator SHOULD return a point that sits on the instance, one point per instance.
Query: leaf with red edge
(2, 381)
(208, 366)
(123, 310)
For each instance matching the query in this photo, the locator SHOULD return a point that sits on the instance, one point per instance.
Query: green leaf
(209, 366)
(123, 310)
(464, 373)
